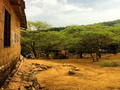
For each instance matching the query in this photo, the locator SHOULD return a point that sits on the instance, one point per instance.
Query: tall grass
(108, 64)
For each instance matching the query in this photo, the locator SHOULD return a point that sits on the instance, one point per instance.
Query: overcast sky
(72, 12)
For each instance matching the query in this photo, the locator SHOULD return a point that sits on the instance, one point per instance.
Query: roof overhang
(19, 6)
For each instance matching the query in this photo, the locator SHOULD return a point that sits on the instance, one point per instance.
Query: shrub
(108, 64)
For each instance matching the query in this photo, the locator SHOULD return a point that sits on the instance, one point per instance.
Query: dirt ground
(69, 74)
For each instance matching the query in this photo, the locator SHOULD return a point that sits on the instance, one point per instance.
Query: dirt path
(64, 75)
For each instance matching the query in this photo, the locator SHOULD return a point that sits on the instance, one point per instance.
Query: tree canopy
(83, 39)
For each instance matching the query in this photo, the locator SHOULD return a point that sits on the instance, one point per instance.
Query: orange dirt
(70, 74)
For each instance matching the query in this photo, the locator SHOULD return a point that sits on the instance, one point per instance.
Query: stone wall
(9, 55)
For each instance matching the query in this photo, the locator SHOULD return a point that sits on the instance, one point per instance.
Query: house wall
(9, 55)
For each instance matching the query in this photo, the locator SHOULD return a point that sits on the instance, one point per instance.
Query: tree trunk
(33, 50)
(92, 57)
(97, 56)
(47, 55)
(81, 53)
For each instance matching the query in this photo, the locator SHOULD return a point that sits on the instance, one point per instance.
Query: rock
(76, 69)
(40, 69)
(28, 87)
(71, 73)
(42, 86)
(49, 66)
(37, 65)
(30, 73)
(44, 67)
(10, 78)
(33, 66)
(21, 88)
(1, 88)
(30, 83)
(19, 73)
(36, 85)
(66, 64)
(69, 65)
(36, 69)
(32, 79)
(16, 79)
(33, 88)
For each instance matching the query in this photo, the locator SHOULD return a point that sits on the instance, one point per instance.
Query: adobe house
(12, 19)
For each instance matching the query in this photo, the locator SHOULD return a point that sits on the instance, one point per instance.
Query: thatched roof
(19, 6)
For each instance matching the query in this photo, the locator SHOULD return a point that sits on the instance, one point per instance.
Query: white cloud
(64, 12)
(64, 1)
(68, 7)
(34, 1)
(33, 11)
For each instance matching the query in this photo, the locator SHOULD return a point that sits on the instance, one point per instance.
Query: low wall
(6, 70)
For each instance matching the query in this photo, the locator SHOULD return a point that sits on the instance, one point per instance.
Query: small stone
(30, 83)
(32, 79)
(40, 69)
(44, 67)
(2, 89)
(71, 73)
(21, 88)
(49, 66)
(33, 88)
(16, 79)
(42, 86)
(36, 64)
(19, 73)
(28, 87)
(76, 69)
(30, 73)
(33, 66)
(36, 69)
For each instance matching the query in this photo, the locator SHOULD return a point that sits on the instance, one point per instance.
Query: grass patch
(108, 64)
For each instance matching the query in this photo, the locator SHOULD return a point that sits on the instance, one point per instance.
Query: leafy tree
(40, 26)
(29, 25)
(49, 41)
(94, 41)
(40, 41)
(29, 41)
(86, 38)
(37, 25)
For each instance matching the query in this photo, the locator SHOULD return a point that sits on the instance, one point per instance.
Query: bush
(108, 64)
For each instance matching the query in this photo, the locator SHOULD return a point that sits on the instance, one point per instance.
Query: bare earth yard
(69, 74)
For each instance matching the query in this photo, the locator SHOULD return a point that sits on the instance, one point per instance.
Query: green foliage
(35, 41)
(108, 64)
(56, 29)
(86, 38)
(111, 23)
(40, 26)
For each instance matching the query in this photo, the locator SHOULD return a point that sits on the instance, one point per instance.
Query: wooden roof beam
(15, 2)
(19, 6)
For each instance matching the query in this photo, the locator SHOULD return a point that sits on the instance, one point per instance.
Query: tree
(94, 41)
(87, 38)
(29, 41)
(71, 35)
(49, 41)
(40, 41)
(29, 25)
(41, 26)
(37, 25)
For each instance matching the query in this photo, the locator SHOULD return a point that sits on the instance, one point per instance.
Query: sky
(60, 13)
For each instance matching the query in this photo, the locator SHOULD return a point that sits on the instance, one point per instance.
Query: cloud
(34, 11)
(35, 1)
(69, 12)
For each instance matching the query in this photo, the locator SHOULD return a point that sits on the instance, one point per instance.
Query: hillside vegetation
(95, 38)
